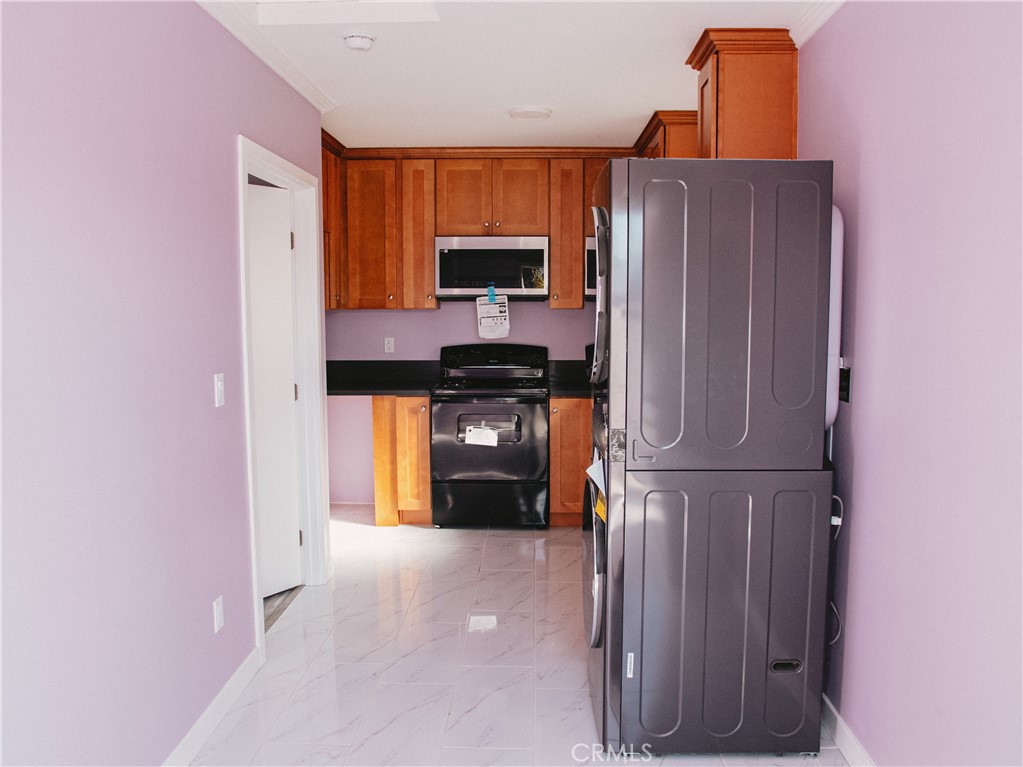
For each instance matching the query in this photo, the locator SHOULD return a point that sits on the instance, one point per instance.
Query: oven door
(521, 426)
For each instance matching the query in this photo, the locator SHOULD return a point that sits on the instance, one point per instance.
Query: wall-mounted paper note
(492, 317)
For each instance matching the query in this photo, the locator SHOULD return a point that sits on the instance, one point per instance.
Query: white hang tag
(492, 317)
(481, 435)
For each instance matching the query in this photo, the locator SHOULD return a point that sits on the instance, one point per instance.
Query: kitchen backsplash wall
(418, 335)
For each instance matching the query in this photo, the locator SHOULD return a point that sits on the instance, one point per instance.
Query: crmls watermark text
(595, 753)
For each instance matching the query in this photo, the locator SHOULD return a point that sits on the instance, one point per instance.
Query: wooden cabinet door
(566, 254)
(591, 169)
(520, 197)
(372, 268)
(571, 443)
(333, 201)
(385, 471)
(417, 232)
(464, 197)
(706, 120)
(412, 447)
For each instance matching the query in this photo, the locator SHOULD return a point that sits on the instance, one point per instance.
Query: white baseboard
(196, 737)
(853, 751)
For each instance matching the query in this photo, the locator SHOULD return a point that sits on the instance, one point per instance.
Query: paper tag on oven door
(481, 435)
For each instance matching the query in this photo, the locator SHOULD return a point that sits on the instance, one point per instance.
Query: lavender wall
(124, 490)
(350, 446)
(919, 106)
(418, 335)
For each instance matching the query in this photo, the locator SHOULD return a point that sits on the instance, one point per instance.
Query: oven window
(508, 426)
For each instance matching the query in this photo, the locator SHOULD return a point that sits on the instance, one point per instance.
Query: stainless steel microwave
(515, 266)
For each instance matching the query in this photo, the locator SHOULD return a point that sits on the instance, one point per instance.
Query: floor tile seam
(485, 665)
(265, 734)
(356, 742)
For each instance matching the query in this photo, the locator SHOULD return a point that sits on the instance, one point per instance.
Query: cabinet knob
(390, 297)
(429, 296)
(555, 296)
(337, 296)
(554, 410)
(497, 224)
(422, 408)
(486, 223)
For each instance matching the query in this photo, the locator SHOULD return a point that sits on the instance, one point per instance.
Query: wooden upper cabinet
(477, 197)
(591, 169)
(747, 93)
(417, 233)
(566, 246)
(669, 133)
(332, 188)
(464, 197)
(372, 259)
(520, 197)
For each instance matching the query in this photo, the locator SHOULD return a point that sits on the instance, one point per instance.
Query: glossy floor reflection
(432, 647)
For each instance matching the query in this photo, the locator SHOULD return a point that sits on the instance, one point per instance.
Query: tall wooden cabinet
(480, 197)
(565, 255)
(747, 92)
(333, 193)
(418, 265)
(372, 258)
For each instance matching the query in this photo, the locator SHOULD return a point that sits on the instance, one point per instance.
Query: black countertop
(411, 378)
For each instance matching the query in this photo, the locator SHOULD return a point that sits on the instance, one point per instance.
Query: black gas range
(489, 451)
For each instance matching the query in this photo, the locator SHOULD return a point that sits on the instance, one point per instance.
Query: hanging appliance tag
(491, 296)
(481, 435)
(492, 316)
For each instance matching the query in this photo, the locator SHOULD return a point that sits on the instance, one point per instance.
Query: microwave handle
(598, 372)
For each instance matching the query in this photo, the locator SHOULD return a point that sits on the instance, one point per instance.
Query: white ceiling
(446, 73)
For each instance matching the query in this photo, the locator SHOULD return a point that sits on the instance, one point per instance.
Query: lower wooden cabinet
(571, 453)
(401, 460)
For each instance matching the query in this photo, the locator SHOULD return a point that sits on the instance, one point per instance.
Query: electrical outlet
(218, 390)
(389, 345)
(844, 383)
(218, 614)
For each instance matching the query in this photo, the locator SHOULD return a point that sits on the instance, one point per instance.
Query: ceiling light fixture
(529, 112)
(359, 42)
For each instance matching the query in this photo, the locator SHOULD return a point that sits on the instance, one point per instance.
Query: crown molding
(812, 19)
(485, 152)
(232, 16)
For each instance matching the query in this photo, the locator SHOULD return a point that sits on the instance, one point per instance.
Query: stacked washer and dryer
(707, 552)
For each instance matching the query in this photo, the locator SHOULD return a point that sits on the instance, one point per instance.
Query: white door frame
(310, 365)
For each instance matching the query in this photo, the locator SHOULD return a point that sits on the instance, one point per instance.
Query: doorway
(308, 366)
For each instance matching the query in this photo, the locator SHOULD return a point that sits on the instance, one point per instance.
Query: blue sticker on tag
(491, 295)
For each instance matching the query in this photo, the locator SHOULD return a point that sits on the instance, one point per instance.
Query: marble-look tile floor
(433, 647)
